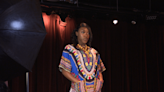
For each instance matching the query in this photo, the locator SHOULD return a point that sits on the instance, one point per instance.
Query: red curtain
(132, 54)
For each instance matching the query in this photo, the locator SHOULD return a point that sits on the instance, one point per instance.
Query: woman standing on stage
(81, 64)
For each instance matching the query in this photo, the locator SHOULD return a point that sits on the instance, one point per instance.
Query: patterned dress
(83, 66)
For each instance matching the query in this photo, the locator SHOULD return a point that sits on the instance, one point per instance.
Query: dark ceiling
(142, 5)
(140, 8)
(154, 5)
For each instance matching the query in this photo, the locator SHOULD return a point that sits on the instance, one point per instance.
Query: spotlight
(133, 22)
(115, 21)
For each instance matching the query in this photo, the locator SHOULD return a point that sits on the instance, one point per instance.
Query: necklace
(85, 49)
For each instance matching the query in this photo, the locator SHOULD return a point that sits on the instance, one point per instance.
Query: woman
(82, 64)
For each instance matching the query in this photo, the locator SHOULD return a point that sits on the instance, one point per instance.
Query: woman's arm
(101, 76)
(100, 73)
(69, 76)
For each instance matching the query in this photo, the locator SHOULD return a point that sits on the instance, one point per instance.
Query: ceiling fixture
(115, 21)
(133, 22)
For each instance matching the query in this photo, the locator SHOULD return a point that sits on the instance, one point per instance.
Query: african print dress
(84, 66)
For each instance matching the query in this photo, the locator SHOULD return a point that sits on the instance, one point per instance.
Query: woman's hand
(102, 80)
(69, 76)
(101, 77)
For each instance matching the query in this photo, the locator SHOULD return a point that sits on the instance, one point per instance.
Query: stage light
(115, 21)
(133, 22)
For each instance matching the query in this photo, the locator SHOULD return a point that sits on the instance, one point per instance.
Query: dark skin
(82, 37)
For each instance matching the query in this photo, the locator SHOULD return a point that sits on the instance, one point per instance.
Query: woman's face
(82, 35)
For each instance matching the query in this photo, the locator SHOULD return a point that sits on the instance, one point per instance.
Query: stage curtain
(132, 54)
